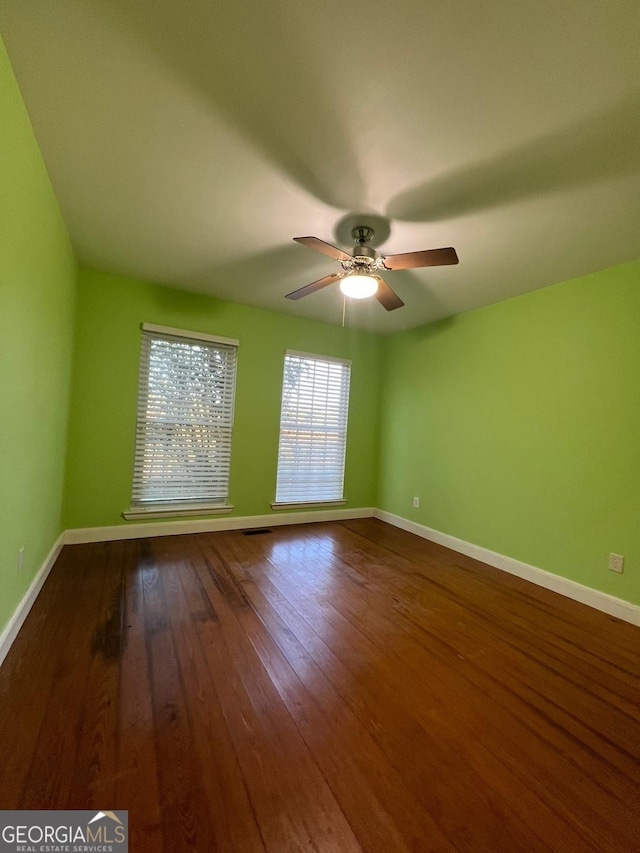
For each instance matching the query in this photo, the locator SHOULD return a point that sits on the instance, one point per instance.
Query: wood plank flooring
(332, 688)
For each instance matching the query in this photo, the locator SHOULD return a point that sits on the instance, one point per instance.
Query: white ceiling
(188, 142)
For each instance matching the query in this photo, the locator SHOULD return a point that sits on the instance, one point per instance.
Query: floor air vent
(256, 531)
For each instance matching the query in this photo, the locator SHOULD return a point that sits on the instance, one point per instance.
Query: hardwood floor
(332, 688)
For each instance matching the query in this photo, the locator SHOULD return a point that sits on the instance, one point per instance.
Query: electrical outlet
(416, 503)
(20, 558)
(616, 563)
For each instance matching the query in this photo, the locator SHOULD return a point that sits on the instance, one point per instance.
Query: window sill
(175, 512)
(305, 504)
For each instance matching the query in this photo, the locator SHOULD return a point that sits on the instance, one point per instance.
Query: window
(185, 417)
(313, 429)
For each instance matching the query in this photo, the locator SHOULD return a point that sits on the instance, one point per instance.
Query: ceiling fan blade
(428, 258)
(387, 297)
(325, 248)
(315, 285)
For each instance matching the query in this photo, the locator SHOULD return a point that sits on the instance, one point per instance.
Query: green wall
(103, 408)
(518, 427)
(37, 280)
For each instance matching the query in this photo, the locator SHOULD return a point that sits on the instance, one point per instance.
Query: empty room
(319, 426)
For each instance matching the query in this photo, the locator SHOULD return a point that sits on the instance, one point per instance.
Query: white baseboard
(571, 589)
(208, 525)
(584, 594)
(22, 610)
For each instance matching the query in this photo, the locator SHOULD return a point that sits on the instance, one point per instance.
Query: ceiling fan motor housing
(364, 256)
(364, 252)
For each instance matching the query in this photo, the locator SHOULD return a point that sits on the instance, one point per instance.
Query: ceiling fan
(359, 277)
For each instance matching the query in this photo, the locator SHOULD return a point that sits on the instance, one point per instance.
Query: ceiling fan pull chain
(344, 308)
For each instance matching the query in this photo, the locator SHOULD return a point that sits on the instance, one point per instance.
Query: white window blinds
(185, 417)
(313, 429)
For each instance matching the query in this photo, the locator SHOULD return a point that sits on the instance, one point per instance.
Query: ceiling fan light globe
(359, 286)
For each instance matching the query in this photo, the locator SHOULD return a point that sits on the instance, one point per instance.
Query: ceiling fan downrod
(362, 235)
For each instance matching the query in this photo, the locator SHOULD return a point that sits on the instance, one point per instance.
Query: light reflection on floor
(310, 562)
(309, 555)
